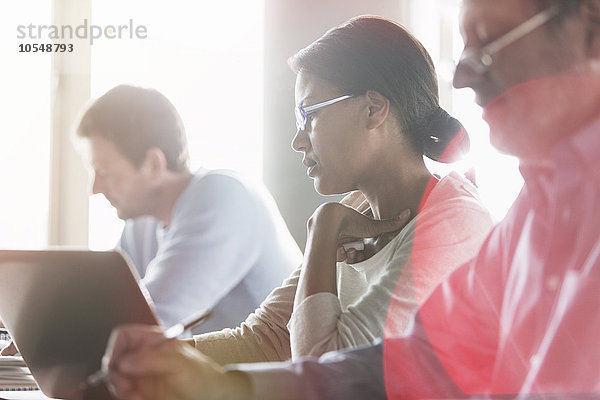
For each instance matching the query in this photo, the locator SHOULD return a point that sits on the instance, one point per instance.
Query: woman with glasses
(367, 111)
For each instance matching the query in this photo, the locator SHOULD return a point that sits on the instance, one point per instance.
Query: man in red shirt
(521, 319)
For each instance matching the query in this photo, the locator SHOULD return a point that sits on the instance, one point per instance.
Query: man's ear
(155, 163)
(378, 109)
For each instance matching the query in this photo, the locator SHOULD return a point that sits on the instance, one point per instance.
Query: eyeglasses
(480, 60)
(302, 112)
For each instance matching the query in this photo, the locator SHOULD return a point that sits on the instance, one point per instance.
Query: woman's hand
(143, 365)
(330, 226)
(351, 226)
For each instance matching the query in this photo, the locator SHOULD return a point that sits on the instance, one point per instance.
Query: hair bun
(448, 140)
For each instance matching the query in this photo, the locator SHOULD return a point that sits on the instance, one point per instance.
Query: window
(25, 79)
(207, 61)
(436, 24)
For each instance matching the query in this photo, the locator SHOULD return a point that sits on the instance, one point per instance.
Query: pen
(170, 333)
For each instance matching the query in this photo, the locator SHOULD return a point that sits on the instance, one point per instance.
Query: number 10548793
(45, 47)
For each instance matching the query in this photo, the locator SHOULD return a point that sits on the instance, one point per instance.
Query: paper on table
(14, 375)
(26, 395)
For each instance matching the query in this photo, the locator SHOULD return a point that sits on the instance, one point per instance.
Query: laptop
(60, 307)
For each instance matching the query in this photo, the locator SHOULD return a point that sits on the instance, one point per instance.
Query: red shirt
(524, 316)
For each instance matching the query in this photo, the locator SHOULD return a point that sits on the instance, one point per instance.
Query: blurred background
(223, 65)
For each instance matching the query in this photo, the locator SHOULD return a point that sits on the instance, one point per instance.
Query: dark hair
(136, 119)
(374, 53)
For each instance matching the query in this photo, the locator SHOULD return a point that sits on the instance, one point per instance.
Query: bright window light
(207, 59)
(497, 175)
(25, 138)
